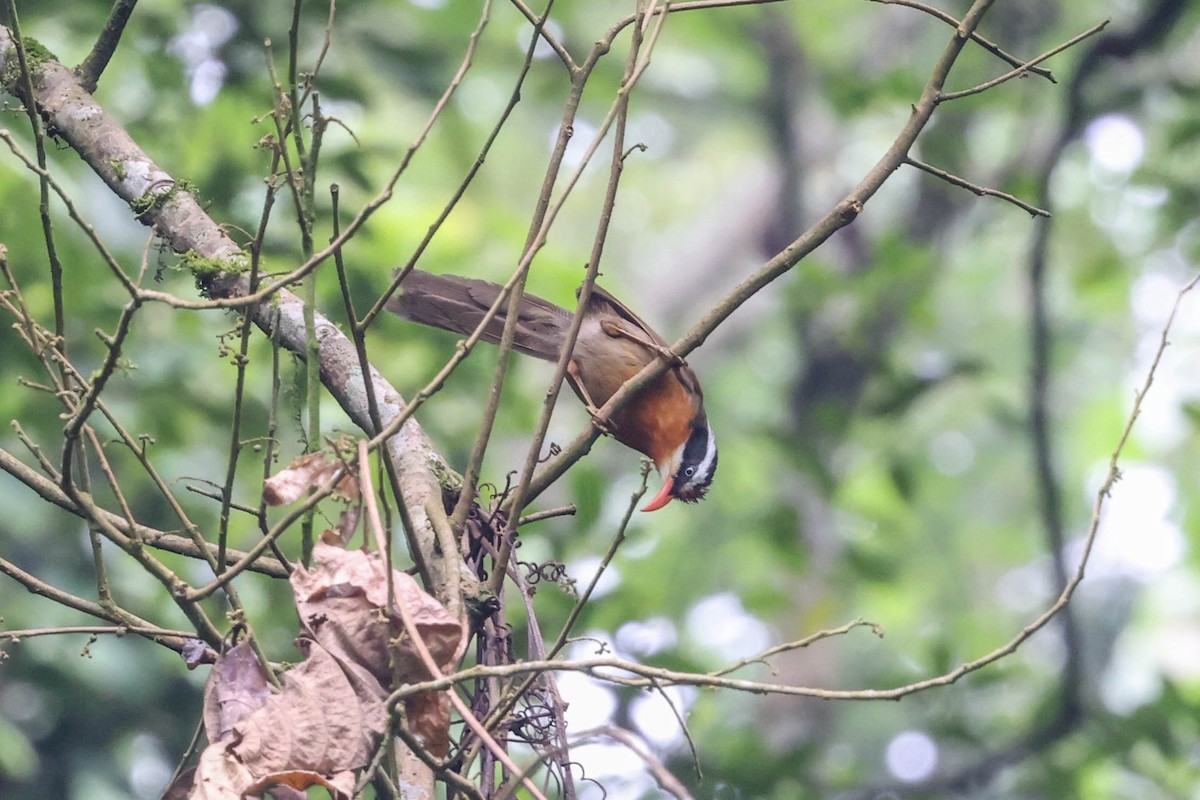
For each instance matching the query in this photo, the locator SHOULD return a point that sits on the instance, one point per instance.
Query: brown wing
(636, 326)
(459, 304)
(601, 296)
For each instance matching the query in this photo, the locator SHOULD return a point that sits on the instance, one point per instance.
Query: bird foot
(603, 425)
(669, 355)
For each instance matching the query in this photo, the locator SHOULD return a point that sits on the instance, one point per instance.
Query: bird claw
(603, 425)
(668, 355)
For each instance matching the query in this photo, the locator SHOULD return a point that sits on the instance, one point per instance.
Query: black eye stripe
(696, 447)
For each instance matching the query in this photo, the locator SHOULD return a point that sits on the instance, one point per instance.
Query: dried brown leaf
(340, 786)
(236, 687)
(219, 776)
(348, 523)
(305, 473)
(195, 652)
(327, 719)
(331, 712)
(428, 716)
(340, 600)
(325, 722)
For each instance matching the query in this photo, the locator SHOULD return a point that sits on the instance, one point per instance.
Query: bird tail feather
(458, 304)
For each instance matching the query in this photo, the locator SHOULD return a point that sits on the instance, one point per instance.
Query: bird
(665, 420)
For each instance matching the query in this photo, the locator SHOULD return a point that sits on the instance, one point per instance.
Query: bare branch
(50, 491)
(980, 191)
(991, 47)
(1024, 68)
(92, 66)
(123, 619)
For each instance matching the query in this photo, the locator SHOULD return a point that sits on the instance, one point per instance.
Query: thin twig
(547, 36)
(119, 617)
(683, 726)
(116, 630)
(95, 386)
(1024, 68)
(609, 555)
(665, 778)
(241, 361)
(991, 47)
(24, 86)
(801, 644)
(640, 50)
(980, 191)
(492, 405)
(549, 513)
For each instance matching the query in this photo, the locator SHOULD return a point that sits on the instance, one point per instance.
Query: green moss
(36, 54)
(204, 267)
(118, 168)
(149, 200)
(153, 199)
(450, 481)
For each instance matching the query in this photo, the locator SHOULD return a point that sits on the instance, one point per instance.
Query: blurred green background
(873, 407)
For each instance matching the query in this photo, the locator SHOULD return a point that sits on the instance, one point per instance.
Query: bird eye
(689, 472)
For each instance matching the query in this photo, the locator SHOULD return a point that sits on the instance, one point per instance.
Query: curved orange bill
(663, 497)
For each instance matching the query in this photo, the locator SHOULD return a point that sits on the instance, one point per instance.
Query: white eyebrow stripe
(710, 454)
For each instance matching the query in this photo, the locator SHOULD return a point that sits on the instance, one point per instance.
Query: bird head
(688, 469)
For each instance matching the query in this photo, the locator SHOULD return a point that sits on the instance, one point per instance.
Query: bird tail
(458, 304)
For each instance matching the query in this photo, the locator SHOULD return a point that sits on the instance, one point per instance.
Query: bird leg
(615, 329)
(604, 426)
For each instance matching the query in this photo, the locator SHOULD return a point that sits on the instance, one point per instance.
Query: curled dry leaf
(195, 652)
(340, 786)
(340, 601)
(305, 473)
(428, 716)
(331, 713)
(327, 719)
(347, 524)
(236, 687)
(219, 776)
